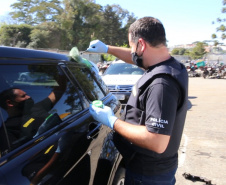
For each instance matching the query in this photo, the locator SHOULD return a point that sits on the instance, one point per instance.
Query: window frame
(34, 141)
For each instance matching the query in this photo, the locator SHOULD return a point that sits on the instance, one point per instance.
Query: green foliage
(198, 51)
(124, 45)
(111, 28)
(108, 57)
(15, 35)
(179, 51)
(114, 25)
(22, 11)
(44, 36)
(79, 20)
(175, 51)
(39, 38)
(222, 27)
(214, 36)
(216, 43)
(65, 23)
(223, 36)
(33, 12)
(195, 53)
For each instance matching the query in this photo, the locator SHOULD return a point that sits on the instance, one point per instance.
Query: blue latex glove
(103, 115)
(96, 46)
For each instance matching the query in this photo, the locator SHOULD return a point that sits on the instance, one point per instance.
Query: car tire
(119, 176)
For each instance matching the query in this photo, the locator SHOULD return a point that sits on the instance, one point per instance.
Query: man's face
(18, 103)
(20, 95)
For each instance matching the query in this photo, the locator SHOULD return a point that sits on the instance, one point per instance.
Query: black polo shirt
(161, 100)
(25, 125)
(158, 102)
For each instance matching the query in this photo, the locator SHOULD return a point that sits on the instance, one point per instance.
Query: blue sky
(185, 21)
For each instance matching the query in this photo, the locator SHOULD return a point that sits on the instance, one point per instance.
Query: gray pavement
(203, 147)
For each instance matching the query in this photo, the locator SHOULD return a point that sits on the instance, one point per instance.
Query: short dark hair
(150, 29)
(7, 94)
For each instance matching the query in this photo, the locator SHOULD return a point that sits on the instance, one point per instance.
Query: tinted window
(87, 82)
(100, 81)
(34, 99)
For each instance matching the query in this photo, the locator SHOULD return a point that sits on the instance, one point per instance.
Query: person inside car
(25, 117)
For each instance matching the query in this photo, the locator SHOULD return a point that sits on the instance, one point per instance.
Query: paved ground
(203, 147)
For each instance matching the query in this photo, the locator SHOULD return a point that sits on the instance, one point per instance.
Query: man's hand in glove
(96, 46)
(103, 115)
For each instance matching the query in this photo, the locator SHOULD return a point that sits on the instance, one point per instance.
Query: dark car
(54, 139)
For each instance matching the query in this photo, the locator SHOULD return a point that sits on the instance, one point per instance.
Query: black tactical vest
(134, 112)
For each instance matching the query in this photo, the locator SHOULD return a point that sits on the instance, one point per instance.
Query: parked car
(120, 77)
(54, 141)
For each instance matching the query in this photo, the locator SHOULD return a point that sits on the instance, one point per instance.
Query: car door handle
(94, 131)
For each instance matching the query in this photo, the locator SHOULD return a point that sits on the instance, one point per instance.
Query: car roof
(21, 53)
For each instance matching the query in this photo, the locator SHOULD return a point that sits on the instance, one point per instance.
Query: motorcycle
(205, 72)
(214, 72)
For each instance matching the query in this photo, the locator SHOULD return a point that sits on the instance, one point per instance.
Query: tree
(22, 11)
(83, 21)
(222, 27)
(123, 37)
(68, 23)
(175, 51)
(44, 36)
(79, 20)
(33, 12)
(179, 51)
(198, 51)
(112, 30)
(15, 35)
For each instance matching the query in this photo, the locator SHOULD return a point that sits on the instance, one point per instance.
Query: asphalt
(202, 151)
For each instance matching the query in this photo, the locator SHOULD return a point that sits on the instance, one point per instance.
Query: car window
(91, 88)
(123, 68)
(100, 81)
(34, 99)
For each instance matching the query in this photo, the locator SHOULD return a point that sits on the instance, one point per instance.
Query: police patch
(158, 122)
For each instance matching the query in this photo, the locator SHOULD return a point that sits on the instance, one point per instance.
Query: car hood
(121, 79)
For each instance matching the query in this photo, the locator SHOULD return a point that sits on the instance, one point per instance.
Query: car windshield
(123, 68)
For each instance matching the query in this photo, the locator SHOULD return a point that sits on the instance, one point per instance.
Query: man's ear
(143, 44)
(9, 103)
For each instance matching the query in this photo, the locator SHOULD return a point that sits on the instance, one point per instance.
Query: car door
(65, 146)
(95, 89)
(102, 153)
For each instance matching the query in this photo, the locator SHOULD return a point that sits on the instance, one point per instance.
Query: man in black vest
(149, 133)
